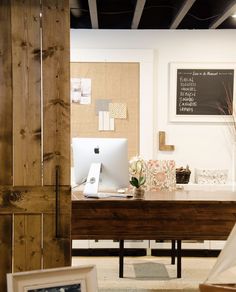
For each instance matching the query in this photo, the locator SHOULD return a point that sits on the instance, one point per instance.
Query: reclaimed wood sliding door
(35, 200)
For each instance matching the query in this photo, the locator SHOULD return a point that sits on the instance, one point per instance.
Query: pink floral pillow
(160, 175)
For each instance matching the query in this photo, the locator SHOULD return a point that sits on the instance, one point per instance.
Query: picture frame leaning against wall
(66, 279)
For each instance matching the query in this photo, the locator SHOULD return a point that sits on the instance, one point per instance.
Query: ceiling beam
(231, 9)
(93, 13)
(181, 13)
(138, 13)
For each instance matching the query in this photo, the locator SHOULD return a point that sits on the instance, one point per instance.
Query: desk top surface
(178, 195)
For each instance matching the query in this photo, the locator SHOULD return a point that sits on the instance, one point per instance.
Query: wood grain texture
(155, 218)
(6, 148)
(5, 248)
(6, 169)
(26, 91)
(57, 251)
(34, 200)
(56, 90)
(24, 202)
(57, 240)
(27, 242)
(34, 206)
(20, 108)
(118, 82)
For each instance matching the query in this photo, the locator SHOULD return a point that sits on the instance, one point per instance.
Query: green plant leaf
(142, 180)
(134, 182)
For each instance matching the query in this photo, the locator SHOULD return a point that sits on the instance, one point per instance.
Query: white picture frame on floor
(76, 279)
(204, 101)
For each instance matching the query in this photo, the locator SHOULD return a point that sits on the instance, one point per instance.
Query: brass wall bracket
(162, 142)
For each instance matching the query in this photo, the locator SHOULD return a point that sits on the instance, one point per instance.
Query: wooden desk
(178, 215)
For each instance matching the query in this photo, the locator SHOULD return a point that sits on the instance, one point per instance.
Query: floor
(149, 274)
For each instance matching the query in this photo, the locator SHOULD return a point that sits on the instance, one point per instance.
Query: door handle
(57, 201)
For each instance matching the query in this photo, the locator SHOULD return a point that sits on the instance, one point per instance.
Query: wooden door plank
(26, 92)
(5, 94)
(27, 242)
(20, 121)
(34, 200)
(57, 234)
(56, 251)
(6, 173)
(5, 248)
(56, 93)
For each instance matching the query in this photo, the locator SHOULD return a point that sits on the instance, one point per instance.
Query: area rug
(148, 274)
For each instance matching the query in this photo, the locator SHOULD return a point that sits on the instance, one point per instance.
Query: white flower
(137, 166)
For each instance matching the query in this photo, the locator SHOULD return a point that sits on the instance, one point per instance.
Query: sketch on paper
(81, 90)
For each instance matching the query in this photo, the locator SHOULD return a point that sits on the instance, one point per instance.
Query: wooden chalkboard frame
(173, 116)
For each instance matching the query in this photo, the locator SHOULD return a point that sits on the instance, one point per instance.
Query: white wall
(201, 145)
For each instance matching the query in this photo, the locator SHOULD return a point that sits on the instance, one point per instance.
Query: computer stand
(91, 186)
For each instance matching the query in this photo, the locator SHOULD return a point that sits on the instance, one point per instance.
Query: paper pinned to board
(81, 90)
(118, 110)
(102, 105)
(105, 122)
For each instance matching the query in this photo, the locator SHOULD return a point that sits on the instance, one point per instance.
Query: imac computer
(101, 163)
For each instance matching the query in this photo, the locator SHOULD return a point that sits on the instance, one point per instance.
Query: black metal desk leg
(179, 254)
(121, 259)
(172, 252)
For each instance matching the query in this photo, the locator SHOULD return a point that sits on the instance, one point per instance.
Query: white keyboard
(108, 195)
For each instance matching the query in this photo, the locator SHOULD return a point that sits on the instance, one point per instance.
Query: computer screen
(110, 153)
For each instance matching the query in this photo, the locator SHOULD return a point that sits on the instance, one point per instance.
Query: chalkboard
(204, 91)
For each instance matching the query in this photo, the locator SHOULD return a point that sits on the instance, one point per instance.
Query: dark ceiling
(153, 14)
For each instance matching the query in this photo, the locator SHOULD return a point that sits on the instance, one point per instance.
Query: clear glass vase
(138, 193)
